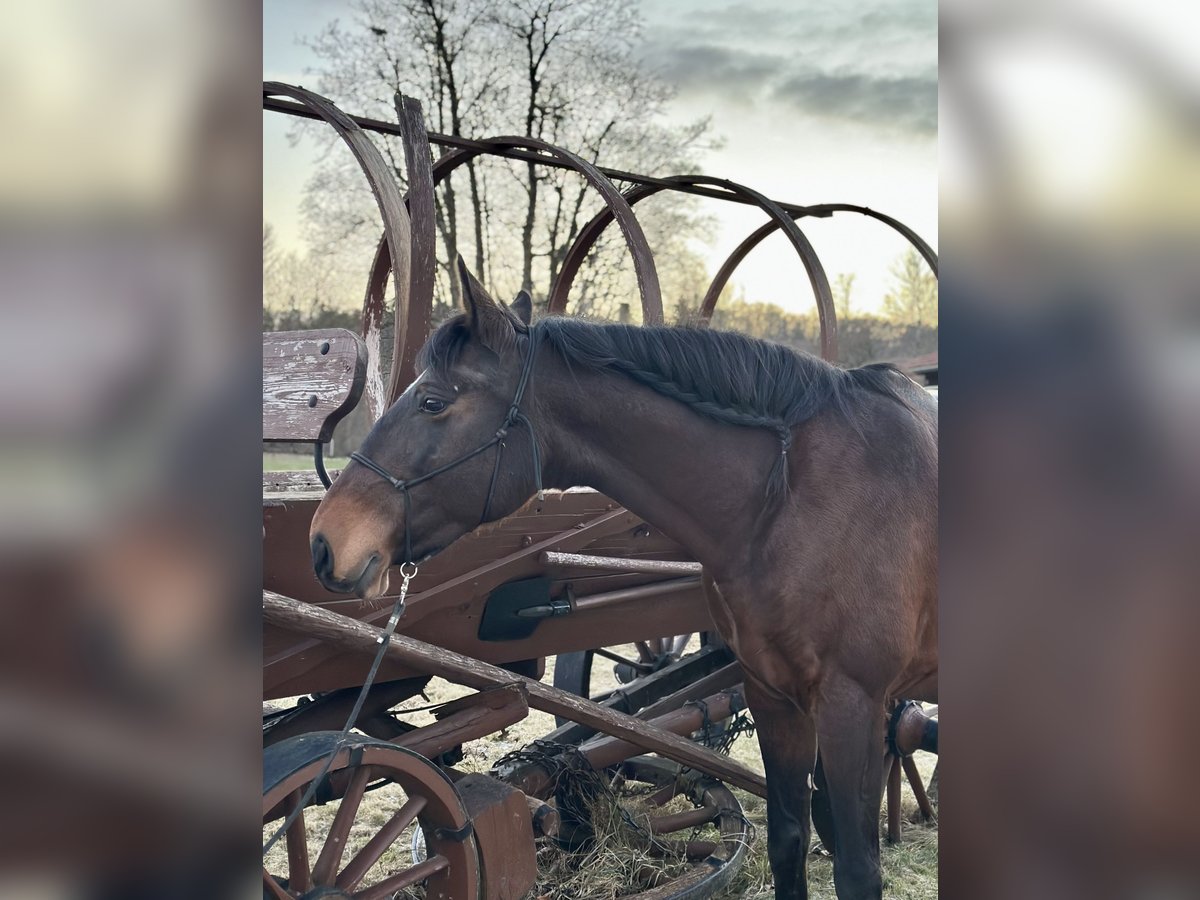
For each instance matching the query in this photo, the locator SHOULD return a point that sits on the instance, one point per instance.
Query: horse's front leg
(788, 739)
(851, 733)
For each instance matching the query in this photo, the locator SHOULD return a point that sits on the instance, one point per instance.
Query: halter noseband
(514, 417)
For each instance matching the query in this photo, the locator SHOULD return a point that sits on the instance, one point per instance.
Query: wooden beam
(354, 635)
(621, 563)
(467, 719)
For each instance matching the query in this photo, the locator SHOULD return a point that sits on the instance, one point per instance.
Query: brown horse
(808, 492)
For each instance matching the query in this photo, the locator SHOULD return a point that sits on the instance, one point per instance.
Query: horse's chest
(757, 639)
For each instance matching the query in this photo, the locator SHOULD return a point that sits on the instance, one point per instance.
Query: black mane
(721, 374)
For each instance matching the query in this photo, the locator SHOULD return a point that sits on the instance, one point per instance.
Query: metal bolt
(312, 400)
(324, 347)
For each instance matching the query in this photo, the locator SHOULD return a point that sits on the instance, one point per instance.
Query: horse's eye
(432, 405)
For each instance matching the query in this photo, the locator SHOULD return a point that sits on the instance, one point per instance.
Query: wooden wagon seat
(311, 381)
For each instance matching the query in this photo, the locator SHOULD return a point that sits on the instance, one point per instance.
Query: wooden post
(893, 799)
(918, 788)
(354, 635)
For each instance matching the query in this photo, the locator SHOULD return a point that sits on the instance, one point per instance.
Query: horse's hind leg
(851, 735)
(787, 738)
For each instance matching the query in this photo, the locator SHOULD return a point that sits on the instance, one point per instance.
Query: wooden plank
(359, 637)
(296, 485)
(411, 334)
(311, 380)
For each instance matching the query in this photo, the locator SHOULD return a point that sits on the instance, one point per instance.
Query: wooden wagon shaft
(468, 719)
(354, 635)
(606, 751)
(720, 680)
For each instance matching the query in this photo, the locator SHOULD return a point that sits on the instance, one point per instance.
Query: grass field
(297, 462)
(910, 868)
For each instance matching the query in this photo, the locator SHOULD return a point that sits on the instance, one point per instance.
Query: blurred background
(130, 179)
(1069, 137)
(130, 528)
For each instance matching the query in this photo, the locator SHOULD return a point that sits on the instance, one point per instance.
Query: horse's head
(437, 446)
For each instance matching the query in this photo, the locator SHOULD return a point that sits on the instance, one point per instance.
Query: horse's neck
(701, 481)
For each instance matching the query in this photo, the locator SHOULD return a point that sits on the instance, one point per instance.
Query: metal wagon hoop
(825, 209)
(591, 232)
(423, 179)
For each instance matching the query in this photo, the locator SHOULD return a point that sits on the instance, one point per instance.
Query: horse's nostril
(322, 556)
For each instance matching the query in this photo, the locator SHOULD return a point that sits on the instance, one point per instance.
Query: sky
(816, 102)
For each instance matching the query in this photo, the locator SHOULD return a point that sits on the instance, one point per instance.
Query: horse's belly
(918, 684)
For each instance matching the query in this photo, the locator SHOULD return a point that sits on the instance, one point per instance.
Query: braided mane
(723, 375)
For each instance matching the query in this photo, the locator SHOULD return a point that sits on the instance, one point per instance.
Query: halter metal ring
(404, 573)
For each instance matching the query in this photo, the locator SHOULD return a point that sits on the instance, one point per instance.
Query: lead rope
(408, 572)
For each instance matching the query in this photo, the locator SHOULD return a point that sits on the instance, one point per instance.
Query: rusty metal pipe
(691, 818)
(640, 592)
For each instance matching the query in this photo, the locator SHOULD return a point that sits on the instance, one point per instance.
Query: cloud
(905, 102)
(713, 69)
(865, 62)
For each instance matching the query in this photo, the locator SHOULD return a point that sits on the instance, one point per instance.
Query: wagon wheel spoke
(401, 880)
(339, 830)
(684, 821)
(690, 850)
(297, 845)
(273, 887)
(618, 658)
(692, 818)
(377, 845)
(665, 794)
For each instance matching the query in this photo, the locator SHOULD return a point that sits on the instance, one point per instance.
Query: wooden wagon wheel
(714, 857)
(690, 820)
(325, 855)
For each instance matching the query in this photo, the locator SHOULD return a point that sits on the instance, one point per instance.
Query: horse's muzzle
(323, 565)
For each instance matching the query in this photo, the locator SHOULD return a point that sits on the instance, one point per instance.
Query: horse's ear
(489, 319)
(523, 307)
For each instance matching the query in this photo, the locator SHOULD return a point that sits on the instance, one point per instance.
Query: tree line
(297, 294)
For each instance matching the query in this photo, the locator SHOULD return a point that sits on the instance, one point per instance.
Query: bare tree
(564, 71)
